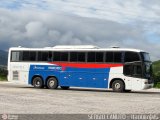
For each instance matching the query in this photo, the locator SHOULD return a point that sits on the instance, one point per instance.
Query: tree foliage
(3, 72)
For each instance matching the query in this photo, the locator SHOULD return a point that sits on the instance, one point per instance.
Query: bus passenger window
(50, 57)
(42, 56)
(64, 56)
(118, 57)
(73, 57)
(81, 57)
(25, 56)
(99, 56)
(56, 56)
(131, 56)
(91, 57)
(137, 71)
(109, 57)
(128, 70)
(32, 56)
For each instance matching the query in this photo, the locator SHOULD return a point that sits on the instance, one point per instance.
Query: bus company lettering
(54, 68)
(39, 67)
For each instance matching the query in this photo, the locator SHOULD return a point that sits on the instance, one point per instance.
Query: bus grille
(15, 75)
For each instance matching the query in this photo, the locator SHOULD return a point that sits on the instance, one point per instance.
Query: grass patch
(3, 78)
(157, 85)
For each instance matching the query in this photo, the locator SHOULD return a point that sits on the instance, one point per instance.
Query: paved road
(19, 99)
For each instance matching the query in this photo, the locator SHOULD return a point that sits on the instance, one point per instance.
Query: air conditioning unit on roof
(75, 47)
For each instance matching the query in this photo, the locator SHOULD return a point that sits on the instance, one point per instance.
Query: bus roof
(77, 48)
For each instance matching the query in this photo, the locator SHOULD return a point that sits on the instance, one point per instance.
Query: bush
(157, 79)
(157, 85)
(3, 73)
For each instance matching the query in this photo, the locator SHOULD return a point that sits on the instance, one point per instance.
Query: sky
(103, 23)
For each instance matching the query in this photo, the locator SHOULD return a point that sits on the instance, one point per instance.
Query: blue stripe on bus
(77, 77)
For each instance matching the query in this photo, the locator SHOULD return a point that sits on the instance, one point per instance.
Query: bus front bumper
(147, 86)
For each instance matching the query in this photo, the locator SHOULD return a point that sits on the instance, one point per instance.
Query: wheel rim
(51, 83)
(117, 86)
(37, 84)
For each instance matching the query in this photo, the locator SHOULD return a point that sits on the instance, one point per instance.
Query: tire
(118, 86)
(65, 87)
(37, 82)
(52, 83)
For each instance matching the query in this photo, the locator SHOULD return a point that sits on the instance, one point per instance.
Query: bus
(88, 66)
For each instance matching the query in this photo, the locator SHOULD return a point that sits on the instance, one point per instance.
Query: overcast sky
(42, 23)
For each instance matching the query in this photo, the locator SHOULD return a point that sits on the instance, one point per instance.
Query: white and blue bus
(114, 68)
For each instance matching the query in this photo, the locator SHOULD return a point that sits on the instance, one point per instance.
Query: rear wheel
(65, 87)
(52, 83)
(38, 82)
(118, 86)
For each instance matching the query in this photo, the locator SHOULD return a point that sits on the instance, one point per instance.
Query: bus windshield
(147, 69)
(145, 56)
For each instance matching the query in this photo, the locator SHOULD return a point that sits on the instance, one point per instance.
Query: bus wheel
(118, 86)
(38, 82)
(52, 83)
(65, 87)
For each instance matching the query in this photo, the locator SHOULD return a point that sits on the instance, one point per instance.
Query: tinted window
(39, 56)
(81, 57)
(32, 56)
(131, 56)
(117, 56)
(56, 56)
(50, 56)
(128, 70)
(109, 57)
(42, 56)
(137, 71)
(73, 56)
(26, 56)
(99, 56)
(64, 56)
(91, 57)
(133, 70)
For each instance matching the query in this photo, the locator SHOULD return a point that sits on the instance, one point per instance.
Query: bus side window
(16, 56)
(109, 57)
(117, 57)
(56, 56)
(128, 70)
(42, 56)
(26, 56)
(137, 71)
(131, 56)
(50, 57)
(77, 57)
(91, 57)
(73, 57)
(132, 70)
(99, 56)
(81, 56)
(32, 56)
(64, 56)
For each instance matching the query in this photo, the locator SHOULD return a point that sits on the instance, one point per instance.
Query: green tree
(157, 79)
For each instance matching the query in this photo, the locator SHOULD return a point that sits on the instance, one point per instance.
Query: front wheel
(118, 86)
(52, 83)
(38, 82)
